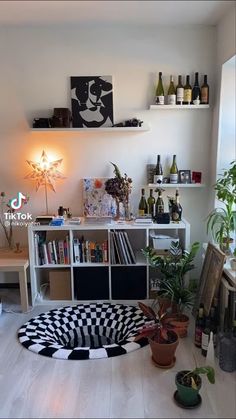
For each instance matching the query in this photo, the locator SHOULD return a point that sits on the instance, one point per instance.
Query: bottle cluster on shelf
(87, 251)
(183, 94)
(54, 252)
(174, 175)
(211, 340)
(155, 207)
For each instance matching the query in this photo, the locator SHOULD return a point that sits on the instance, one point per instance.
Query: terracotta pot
(163, 354)
(179, 322)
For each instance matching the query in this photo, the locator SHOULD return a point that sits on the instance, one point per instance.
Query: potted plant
(162, 338)
(188, 384)
(222, 221)
(172, 286)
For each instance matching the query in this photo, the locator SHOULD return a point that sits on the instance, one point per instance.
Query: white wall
(36, 64)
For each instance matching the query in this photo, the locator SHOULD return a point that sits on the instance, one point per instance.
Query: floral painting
(96, 201)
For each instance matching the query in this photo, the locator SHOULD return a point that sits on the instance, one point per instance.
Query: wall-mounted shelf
(144, 128)
(157, 107)
(176, 185)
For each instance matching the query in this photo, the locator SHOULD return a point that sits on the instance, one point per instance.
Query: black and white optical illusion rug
(85, 331)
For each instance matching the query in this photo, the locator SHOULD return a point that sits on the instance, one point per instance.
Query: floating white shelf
(144, 128)
(156, 107)
(176, 185)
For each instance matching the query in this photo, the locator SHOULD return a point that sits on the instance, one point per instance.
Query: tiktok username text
(19, 219)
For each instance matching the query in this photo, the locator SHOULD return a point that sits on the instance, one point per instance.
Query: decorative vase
(117, 216)
(126, 206)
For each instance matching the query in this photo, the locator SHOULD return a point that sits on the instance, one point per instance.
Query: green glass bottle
(142, 208)
(179, 91)
(171, 100)
(151, 203)
(187, 92)
(160, 91)
(174, 171)
(159, 203)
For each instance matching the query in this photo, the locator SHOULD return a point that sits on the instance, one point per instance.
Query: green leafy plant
(189, 378)
(158, 331)
(173, 268)
(222, 221)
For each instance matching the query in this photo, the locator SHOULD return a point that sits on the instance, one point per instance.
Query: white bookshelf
(110, 275)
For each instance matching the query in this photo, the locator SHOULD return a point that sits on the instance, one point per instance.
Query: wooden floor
(128, 386)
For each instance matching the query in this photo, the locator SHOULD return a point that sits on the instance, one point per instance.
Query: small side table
(11, 261)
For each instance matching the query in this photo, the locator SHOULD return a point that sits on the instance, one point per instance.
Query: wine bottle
(160, 91)
(213, 324)
(205, 92)
(176, 209)
(159, 203)
(199, 326)
(187, 92)
(196, 92)
(158, 177)
(174, 171)
(142, 208)
(151, 203)
(171, 99)
(179, 91)
(206, 336)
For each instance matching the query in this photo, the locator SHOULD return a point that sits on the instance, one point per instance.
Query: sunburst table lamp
(45, 173)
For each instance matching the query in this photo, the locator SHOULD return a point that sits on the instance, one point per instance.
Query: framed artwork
(196, 177)
(92, 101)
(184, 176)
(210, 278)
(96, 202)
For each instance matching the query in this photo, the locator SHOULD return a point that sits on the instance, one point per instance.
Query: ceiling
(128, 12)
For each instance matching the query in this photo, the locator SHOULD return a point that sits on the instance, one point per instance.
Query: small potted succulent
(162, 338)
(174, 294)
(188, 384)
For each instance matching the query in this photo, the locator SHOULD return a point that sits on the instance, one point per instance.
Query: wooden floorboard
(128, 386)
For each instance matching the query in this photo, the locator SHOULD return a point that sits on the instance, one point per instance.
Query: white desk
(17, 262)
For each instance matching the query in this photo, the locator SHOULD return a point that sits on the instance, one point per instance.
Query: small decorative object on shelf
(61, 118)
(119, 187)
(184, 176)
(196, 177)
(134, 122)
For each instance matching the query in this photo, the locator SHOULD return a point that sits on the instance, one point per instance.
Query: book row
(54, 252)
(86, 251)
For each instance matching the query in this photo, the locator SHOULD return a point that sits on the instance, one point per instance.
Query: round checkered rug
(85, 331)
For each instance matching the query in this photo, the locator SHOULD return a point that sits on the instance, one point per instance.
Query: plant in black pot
(174, 294)
(162, 338)
(188, 384)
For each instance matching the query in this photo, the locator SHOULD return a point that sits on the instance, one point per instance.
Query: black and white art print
(92, 101)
